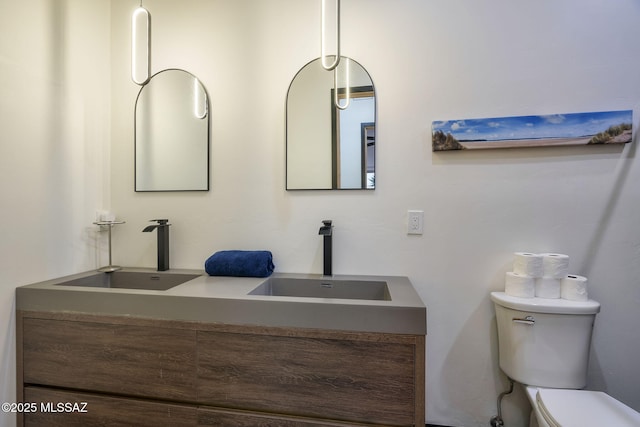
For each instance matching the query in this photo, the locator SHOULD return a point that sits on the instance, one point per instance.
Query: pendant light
(323, 34)
(140, 45)
(347, 88)
(335, 65)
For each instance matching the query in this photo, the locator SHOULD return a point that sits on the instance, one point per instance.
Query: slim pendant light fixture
(334, 66)
(140, 45)
(323, 34)
(199, 100)
(347, 88)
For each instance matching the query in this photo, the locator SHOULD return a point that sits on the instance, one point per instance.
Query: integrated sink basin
(132, 280)
(324, 288)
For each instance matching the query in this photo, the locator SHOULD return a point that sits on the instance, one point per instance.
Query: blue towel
(240, 263)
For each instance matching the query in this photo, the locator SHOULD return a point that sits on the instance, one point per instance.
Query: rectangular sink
(324, 288)
(132, 280)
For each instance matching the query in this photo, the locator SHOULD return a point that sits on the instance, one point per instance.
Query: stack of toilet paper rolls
(544, 276)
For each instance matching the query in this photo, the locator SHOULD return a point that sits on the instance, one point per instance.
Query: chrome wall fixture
(140, 45)
(334, 66)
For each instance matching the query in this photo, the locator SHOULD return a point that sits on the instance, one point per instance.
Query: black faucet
(163, 242)
(327, 232)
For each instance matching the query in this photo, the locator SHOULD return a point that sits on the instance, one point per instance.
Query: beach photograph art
(606, 127)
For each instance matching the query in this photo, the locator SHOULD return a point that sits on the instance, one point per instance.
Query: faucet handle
(161, 221)
(326, 229)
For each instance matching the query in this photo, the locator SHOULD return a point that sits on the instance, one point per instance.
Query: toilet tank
(544, 342)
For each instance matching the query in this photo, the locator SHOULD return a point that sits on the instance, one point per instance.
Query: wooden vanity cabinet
(143, 361)
(135, 371)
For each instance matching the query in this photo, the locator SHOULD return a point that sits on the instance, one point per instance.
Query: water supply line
(497, 421)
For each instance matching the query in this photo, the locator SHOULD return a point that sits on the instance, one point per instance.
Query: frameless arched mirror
(327, 147)
(172, 134)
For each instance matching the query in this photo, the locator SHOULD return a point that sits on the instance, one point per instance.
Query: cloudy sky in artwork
(572, 125)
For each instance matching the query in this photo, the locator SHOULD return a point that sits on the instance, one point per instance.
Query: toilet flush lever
(529, 320)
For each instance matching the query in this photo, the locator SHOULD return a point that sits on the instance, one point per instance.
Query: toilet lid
(582, 408)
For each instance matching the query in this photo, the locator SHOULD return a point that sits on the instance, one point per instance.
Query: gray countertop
(224, 300)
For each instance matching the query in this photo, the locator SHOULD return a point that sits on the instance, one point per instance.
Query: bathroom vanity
(220, 351)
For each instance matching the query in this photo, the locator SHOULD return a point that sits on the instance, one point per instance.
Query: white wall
(429, 61)
(54, 135)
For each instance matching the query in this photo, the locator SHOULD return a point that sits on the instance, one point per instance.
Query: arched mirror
(328, 147)
(172, 134)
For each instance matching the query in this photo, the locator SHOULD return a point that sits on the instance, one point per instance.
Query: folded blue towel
(240, 263)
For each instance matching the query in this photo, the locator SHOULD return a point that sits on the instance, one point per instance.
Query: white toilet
(544, 345)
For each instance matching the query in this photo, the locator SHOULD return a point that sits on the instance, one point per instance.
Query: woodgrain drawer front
(104, 411)
(113, 358)
(230, 418)
(337, 379)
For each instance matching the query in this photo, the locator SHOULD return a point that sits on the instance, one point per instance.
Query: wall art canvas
(605, 127)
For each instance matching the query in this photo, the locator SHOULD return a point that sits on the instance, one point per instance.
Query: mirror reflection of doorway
(368, 141)
(353, 144)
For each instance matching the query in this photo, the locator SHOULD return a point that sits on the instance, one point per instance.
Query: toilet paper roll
(528, 264)
(574, 288)
(519, 285)
(555, 265)
(547, 287)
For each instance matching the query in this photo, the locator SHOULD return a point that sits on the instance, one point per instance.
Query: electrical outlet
(415, 222)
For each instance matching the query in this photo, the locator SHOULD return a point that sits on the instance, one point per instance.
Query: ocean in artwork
(605, 127)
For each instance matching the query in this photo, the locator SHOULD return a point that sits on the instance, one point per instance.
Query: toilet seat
(582, 408)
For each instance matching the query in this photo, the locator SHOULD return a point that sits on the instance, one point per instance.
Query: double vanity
(181, 348)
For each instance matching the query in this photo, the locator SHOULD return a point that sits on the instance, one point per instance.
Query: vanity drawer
(232, 418)
(103, 411)
(341, 379)
(113, 358)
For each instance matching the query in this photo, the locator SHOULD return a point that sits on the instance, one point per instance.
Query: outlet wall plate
(415, 222)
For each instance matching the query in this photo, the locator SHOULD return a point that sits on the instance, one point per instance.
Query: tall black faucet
(163, 242)
(327, 232)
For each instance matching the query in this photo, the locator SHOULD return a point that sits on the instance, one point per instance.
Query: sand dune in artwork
(602, 138)
(512, 143)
